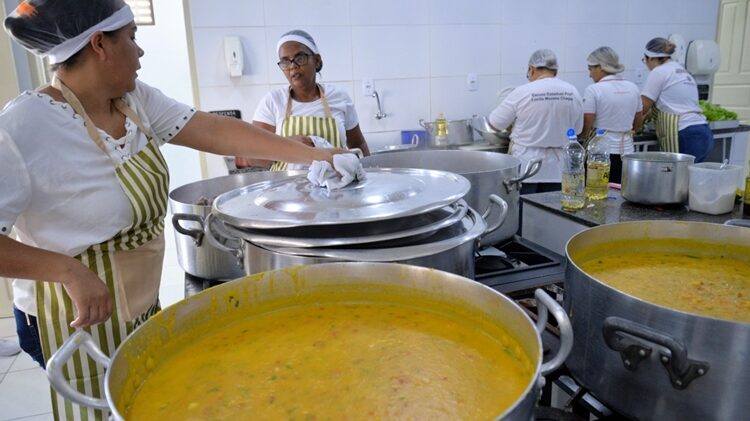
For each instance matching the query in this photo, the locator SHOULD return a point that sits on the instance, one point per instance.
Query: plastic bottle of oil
(573, 191)
(441, 130)
(597, 167)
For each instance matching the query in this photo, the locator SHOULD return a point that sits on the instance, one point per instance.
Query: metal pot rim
(670, 157)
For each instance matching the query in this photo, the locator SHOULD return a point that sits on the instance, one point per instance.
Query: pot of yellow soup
(329, 341)
(661, 311)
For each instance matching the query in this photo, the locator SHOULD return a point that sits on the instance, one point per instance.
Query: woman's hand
(89, 294)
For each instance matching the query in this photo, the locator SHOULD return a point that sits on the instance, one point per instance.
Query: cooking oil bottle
(441, 130)
(573, 174)
(597, 167)
(746, 197)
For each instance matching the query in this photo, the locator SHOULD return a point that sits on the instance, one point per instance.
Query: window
(143, 11)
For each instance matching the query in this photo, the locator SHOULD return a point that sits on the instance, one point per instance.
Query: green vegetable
(716, 113)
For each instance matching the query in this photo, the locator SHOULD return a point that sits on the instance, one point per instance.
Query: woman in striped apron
(85, 185)
(319, 115)
(671, 92)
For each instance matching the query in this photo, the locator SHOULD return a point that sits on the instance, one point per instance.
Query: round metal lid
(294, 201)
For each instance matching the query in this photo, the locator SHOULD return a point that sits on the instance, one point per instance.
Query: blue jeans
(696, 140)
(28, 336)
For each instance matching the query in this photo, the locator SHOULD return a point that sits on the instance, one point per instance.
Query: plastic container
(712, 189)
(573, 186)
(597, 167)
(407, 137)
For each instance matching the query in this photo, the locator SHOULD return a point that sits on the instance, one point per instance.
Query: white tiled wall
(419, 52)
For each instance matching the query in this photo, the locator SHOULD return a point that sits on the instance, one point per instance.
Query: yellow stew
(340, 361)
(706, 279)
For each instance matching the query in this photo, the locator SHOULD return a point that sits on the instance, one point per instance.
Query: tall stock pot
(155, 342)
(488, 172)
(190, 204)
(653, 362)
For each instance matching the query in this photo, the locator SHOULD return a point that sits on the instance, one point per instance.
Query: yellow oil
(597, 180)
(746, 200)
(573, 191)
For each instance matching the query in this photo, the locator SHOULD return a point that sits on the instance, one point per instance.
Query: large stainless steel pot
(651, 362)
(145, 348)
(194, 255)
(488, 172)
(656, 178)
(459, 133)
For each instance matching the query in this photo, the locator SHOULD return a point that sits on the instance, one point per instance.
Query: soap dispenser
(233, 55)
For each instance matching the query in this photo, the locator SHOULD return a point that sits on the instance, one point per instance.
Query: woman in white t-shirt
(541, 113)
(318, 114)
(613, 104)
(680, 123)
(84, 185)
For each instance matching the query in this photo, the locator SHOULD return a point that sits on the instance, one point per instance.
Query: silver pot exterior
(142, 350)
(656, 178)
(486, 171)
(454, 254)
(195, 255)
(718, 349)
(459, 133)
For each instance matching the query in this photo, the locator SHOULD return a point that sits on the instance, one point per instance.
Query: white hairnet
(607, 59)
(543, 58)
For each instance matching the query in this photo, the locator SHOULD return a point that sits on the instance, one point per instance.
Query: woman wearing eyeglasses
(316, 114)
(613, 104)
(673, 95)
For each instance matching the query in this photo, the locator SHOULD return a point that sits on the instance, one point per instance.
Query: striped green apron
(129, 263)
(667, 130)
(298, 125)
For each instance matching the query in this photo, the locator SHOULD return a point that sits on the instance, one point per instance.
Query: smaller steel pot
(656, 178)
(459, 133)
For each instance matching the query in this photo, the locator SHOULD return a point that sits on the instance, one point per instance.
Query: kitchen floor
(24, 389)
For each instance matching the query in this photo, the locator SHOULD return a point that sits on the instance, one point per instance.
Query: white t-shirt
(674, 91)
(272, 109)
(57, 188)
(615, 101)
(541, 112)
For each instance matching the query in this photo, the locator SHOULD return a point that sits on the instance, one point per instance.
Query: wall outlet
(367, 87)
(471, 82)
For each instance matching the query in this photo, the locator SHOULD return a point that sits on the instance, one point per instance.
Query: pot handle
(196, 234)
(738, 222)
(79, 339)
(503, 205)
(358, 152)
(532, 168)
(422, 123)
(212, 234)
(681, 369)
(546, 304)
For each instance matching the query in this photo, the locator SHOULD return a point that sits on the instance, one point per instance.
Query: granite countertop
(616, 209)
(648, 136)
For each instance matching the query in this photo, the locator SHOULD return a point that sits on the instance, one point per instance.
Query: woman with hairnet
(85, 186)
(321, 114)
(613, 104)
(671, 92)
(541, 113)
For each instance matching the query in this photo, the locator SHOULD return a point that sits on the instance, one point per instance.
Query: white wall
(419, 52)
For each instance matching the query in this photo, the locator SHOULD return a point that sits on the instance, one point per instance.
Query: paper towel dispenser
(702, 57)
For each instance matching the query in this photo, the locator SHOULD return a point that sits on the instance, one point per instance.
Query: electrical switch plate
(471, 81)
(367, 87)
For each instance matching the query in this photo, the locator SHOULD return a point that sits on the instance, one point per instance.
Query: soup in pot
(706, 279)
(340, 360)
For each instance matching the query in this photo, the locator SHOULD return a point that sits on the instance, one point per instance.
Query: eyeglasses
(300, 60)
(644, 59)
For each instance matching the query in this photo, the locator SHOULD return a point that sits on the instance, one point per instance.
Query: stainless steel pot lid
(402, 229)
(294, 201)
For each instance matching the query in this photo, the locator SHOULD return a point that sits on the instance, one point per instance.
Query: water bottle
(441, 130)
(597, 167)
(573, 174)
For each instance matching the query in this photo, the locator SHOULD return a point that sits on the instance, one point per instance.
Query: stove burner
(490, 263)
(543, 413)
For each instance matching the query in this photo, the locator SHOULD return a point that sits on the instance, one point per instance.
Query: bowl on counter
(496, 137)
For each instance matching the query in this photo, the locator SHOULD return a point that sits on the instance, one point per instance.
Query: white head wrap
(652, 54)
(67, 48)
(296, 38)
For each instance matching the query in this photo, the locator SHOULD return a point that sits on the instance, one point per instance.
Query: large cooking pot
(143, 352)
(656, 178)
(488, 172)
(190, 204)
(459, 133)
(648, 361)
(451, 249)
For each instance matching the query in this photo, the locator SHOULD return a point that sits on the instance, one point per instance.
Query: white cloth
(272, 109)
(67, 48)
(296, 38)
(59, 190)
(615, 101)
(541, 112)
(318, 142)
(674, 91)
(349, 169)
